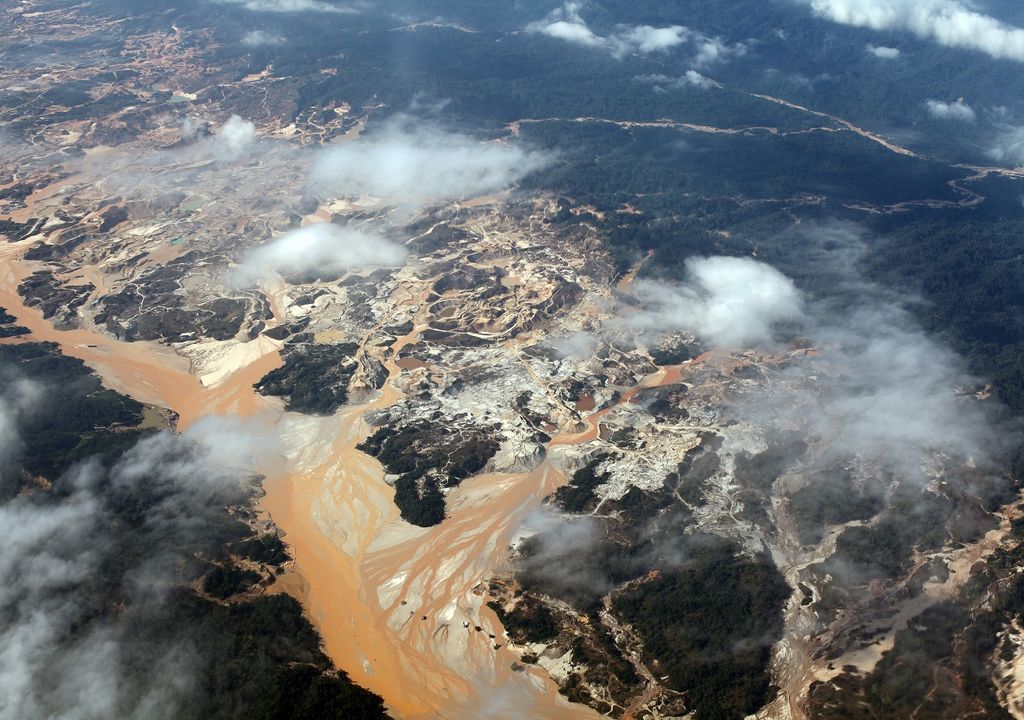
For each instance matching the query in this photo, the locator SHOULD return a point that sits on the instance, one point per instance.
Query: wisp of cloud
(566, 23)
(727, 301)
(291, 6)
(414, 161)
(957, 110)
(61, 654)
(948, 22)
(322, 248)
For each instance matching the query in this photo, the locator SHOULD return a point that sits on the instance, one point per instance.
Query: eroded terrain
(498, 493)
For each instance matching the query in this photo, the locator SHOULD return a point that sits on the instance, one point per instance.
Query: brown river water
(397, 606)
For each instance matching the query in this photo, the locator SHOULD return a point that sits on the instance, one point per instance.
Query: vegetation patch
(709, 626)
(833, 497)
(314, 378)
(429, 456)
(9, 326)
(578, 495)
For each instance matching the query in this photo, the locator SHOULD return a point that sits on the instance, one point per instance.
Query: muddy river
(398, 606)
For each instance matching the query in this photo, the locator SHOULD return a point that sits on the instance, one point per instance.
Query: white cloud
(647, 39)
(232, 443)
(694, 78)
(319, 248)
(1008, 146)
(560, 552)
(59, 657)
(727, 301)
(257, 38)
(47, 550)
(408, 160)
(883, 53)
(17, 397)
(958, 110)
(691, 78)
(573, 32)
(578, 345)
(233, 139)
(566, 23)
(291, 6)
(879, 387)
(714, 50)
(948, 22)
(895, 394)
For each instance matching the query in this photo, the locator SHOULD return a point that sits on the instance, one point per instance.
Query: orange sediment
(398, 607)
(147, 371)
(339, 519)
